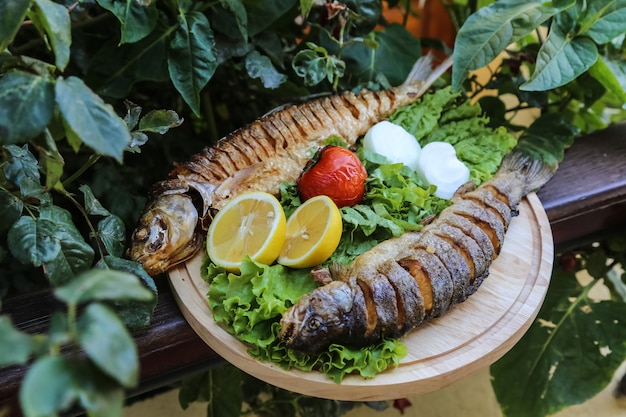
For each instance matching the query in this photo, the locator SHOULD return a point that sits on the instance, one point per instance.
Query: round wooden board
(471, 336)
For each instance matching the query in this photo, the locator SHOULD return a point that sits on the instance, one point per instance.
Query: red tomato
(334, 171)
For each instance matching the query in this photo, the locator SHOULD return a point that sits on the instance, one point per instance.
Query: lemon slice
(313, 233)
(250, 224)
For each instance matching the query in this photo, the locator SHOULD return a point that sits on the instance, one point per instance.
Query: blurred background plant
(99, 97)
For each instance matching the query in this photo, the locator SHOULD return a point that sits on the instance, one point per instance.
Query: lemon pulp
(250, 224)
(313, 233)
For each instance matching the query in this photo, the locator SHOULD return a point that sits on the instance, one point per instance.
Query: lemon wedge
(250, 224)
(313, 233)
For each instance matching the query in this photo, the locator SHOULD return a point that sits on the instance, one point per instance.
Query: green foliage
(577, 342)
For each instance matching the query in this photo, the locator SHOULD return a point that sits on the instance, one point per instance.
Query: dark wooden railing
(586, 197)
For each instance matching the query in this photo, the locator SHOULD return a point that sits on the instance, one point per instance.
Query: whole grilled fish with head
(405, 281)
(258, 157)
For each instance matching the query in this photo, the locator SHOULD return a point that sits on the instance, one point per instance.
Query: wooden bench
(587, 197)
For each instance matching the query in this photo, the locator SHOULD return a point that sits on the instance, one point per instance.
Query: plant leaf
(238, 10)
(97, 393)
(103, 284)
(16, 345)
(92, 205)
(48, 387)
(114, 69)
(192, 59)
(112, 233)
(51, 161)
(108, 344)
(605, 75)
(135, 314)
(137, 18)
(26, 106)
(610, 23)
(90, 118)
(547, 138)
(260, 66)
(560, 60)
(33, 241)
(569, 354)
(12, 14)
(75, 255)
(10, 209)
(55, 19)
(159, 121)
(221, 387)
(491, 29)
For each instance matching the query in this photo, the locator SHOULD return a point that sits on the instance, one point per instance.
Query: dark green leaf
(192, 59)
(97, 393)
(238, 10)
(22, 170)
(51, 161)
(310, 66)
(22, 164)
(560, 60)
(26, 105)
(90, 118)
(108, 344)
(10, 209)
(92, 205)
(226, 399)
(491, 29)
(103, 284)
(133, 112)
(260, 66)
(547, 138)
(75, 256)
(569, 354)
(112, 233)
(366, 62)
(33, 241)
(135, 314)
(12, 14)
(114, 69)
(602, 72)
(137, 18)
(608, 20)
(55, 19)
(159, 121)
(15, 346)
(48, 387)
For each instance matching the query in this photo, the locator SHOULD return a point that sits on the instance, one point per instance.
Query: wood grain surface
(471, 336)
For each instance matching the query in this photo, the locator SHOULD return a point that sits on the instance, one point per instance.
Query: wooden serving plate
(471, 336)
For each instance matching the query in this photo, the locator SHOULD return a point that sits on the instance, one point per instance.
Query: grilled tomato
(336, 172)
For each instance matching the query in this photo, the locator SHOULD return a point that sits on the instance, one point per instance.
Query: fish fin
(534, 172)
(423, 71)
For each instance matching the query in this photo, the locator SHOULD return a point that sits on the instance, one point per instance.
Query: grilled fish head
(319, 318)
(166, 233)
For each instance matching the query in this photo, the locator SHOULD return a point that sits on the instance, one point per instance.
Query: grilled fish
(258, 157)
(405, 281)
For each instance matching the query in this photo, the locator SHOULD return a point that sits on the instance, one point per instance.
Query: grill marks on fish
(418, 276)
(260, 157)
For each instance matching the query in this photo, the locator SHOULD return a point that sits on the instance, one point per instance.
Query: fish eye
(313, 324)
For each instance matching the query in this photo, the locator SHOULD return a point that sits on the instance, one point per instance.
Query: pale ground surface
(471, 397)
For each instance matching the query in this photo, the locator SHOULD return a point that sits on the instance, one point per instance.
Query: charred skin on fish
(258, 157)
(405, 281)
